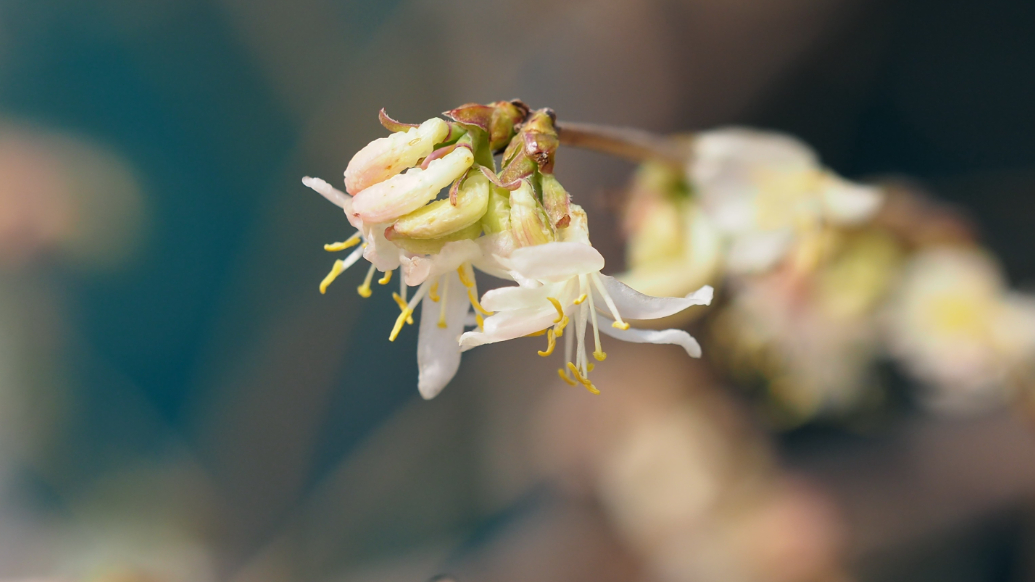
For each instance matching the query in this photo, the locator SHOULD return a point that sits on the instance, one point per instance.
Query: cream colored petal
(632, 304)
(651, 336)
(404, 193)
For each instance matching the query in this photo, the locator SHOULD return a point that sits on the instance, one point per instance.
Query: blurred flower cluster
(826, 279)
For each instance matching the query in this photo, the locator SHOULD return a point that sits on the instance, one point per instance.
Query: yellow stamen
(433, 292)
(462, 271)
(559, 328)
(402, 306)
(474, 303)
(481, 322)
(364, 289)
(560, 310)
(582, 379)
(340, 246)
(399, 321)
(590, 366)
(386, 279)
(620, 325)
(564, 376)
(337, 269)
(539, 333)
(599, 355)
(581, 299)
(551, 342)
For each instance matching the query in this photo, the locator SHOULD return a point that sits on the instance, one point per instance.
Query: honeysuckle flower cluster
(431, 201)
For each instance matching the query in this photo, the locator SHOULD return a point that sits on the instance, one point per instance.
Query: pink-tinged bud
(384, 158)
(403, 193)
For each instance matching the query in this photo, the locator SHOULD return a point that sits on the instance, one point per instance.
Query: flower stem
(632, 144)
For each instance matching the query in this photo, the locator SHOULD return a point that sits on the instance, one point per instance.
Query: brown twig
(631, 144)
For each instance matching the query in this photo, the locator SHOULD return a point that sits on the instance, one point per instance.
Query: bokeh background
(178, 402)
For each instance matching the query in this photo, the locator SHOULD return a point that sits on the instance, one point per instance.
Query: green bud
(506, 116)
(497, 215)
(529, 223)
(431, 246)
(556, 201)
(442, 217)
(532, 148)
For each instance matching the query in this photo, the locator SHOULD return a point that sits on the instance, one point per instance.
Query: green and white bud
(441, 217)
(529, 223)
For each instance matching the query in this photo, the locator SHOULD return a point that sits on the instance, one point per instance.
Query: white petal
(380, 251)
(438, 352)
(329, 192)
(453, 254)
(632, 304)
(652, 336)
(512, 298)
(758, 251)
(403, 193)
(555, 262)
(845, 202)
(508, 325)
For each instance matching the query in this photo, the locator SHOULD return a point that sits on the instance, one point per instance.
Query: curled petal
(508, 325)
(632, 304)
(404, 193)
(555, 262)
(329, 192)
(847, 203)
(512, 298)
(387, 156)
(438, 352)
(652, 336)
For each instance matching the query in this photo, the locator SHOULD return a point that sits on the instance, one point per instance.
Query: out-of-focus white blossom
(956, 327)
(766, 191)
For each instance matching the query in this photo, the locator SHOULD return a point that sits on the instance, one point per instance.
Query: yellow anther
(399, 321)
(551, 343)
(364, 289)
(564, 376)
(402, 306)
(386, 279)
(481, 322)
(442, 321)
(599, 355)
(590, 366)
(560, 310)
(474, 303)
(337, 269)
(340, 246)
(433, 292)
(582, 379)
(581, 299)
(620, 325)
(539, 333)
(559, 328)
(462, 271)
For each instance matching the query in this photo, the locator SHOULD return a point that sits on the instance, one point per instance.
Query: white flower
(765, 190)
(959, 330)
(560, 282)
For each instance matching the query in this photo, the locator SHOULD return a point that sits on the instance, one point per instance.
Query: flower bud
(497, 215)
(531, 149)
(404, 193)
(556, 201)
(385, 157)
(431, 246)
(441, 217)
(528, 221)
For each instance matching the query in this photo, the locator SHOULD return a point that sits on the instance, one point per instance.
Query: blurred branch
(631, 144)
